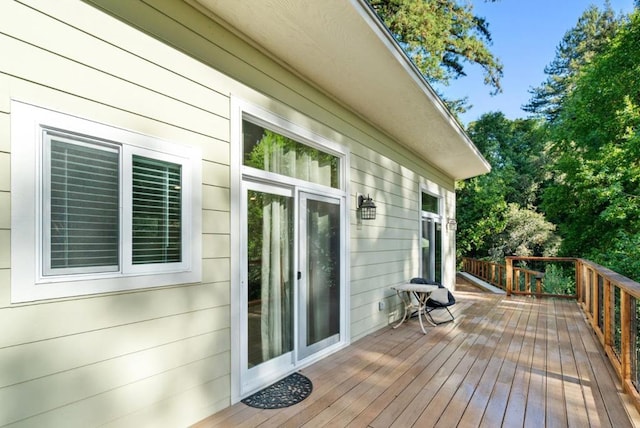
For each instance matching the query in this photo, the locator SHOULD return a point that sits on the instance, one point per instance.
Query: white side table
(421, 293)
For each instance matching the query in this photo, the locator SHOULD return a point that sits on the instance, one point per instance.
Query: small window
(430, 203)
(108, 209)
(157, 211)
(81, 202)
(270, 151)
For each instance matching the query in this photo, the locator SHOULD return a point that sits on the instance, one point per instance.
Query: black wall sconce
(366, 207)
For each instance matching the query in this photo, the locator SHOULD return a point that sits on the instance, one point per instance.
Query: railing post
(595, 300)
(607, 324)
(625, 333)
(538, 285)
(509, 264)
(577, 266)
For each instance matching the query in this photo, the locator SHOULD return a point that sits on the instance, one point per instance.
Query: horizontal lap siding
(5, 205)
(162, 357)
(5, 201)
(122, 358)
(384, 251)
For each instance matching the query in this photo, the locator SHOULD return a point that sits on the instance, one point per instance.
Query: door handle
(299, 275)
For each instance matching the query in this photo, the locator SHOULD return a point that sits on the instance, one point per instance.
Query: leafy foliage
(497, 212)
(481, 214)
(559, 279)
(590, 37)
(441, 36)
(526, 233)
(516, 151)
(577, 165)
(595, 195)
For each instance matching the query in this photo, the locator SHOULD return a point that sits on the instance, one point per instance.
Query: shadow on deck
(504, 362)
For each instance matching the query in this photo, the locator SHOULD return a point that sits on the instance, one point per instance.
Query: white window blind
(157, 211)
(83, 221)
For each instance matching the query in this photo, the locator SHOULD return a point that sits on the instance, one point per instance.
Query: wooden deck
(508, 362)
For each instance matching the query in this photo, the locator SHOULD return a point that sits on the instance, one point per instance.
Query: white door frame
(303, 350)
(281, 121)
(268, 371)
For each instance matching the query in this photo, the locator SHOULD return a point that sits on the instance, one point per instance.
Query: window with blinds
(84, 213)
(83, 230)
(97, 208)
(157, 208)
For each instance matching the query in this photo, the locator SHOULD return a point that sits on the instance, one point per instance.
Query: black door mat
(284, 393)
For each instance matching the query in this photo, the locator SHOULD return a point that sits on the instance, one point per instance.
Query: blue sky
(525, 34)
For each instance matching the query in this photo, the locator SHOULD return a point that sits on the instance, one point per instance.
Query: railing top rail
(521, 269)
(482, 261)
(544, 259)
(630, 286)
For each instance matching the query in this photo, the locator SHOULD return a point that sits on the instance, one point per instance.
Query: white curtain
(282, 156)
(276, 279)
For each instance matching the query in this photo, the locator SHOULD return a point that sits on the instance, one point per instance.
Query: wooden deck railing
(610, 301)
(524, 280)
(493, 273)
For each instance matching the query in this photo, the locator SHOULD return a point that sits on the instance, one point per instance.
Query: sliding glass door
(321, 273)
(292, 282)
(269, 278)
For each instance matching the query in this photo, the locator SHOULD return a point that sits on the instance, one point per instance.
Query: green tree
(481, 209)
(591, 35)
(516, 151)
(595, 195)
(441, 36)
(526, 233)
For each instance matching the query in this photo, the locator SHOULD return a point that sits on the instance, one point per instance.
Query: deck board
(517, 403)
(504, 362)
(556, 412)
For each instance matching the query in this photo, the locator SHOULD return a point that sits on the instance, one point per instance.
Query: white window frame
(28, 280)
(440, 198)
(437, 218)
(298, 133)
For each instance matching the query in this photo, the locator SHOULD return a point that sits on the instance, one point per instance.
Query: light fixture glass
(366, 207)
(452, 224)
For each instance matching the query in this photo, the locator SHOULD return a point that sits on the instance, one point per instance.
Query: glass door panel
(320, 284)
(269, 280)
(431, 249)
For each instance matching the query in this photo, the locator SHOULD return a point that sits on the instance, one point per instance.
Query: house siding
(162, 357)
(147, 356)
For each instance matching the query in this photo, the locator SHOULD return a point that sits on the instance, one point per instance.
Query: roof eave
(345, 50)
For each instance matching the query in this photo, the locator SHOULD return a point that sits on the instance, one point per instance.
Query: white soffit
(341, 47)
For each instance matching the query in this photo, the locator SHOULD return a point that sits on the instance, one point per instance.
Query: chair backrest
(418, 280)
